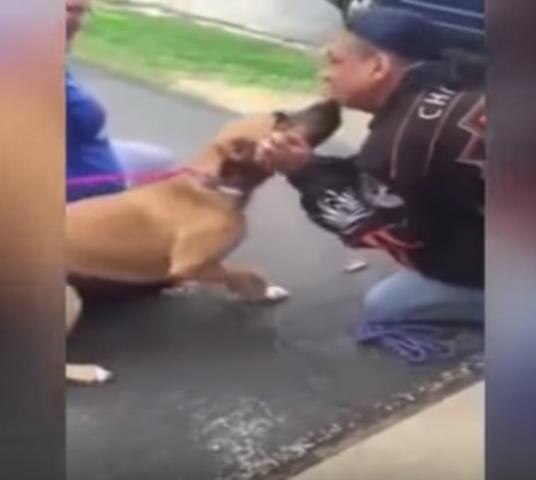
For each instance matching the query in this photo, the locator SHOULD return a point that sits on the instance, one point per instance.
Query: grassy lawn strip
(158, 49)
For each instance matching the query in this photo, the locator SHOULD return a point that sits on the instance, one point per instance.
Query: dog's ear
(282, 120)
(316, 122)
(238, 150)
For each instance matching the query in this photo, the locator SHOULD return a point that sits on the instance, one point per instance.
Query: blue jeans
(409, 296)
(409, 315)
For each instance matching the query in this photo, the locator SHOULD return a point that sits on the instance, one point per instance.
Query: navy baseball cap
(402, 32)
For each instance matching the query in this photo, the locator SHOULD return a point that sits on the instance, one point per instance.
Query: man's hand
(284, 152)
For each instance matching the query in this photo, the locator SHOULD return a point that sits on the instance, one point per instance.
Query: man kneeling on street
(416, 188)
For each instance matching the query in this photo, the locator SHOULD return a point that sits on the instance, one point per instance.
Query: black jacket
(416, 188)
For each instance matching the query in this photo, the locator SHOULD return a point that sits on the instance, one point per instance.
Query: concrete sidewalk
(444, 442)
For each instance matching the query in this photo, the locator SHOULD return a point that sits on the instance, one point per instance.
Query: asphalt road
(210, 389)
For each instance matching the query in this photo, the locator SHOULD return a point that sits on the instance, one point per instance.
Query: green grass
(158, 49)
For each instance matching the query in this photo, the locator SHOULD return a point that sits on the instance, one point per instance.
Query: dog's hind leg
(246, 283)
(197, 257)
(80, 374)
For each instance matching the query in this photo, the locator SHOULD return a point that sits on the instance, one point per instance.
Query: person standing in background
(89, 150)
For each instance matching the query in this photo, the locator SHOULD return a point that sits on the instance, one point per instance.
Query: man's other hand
(284, 152)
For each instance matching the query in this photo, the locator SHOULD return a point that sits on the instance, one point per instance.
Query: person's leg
(409, 296)
(138, 157)
(411, 315)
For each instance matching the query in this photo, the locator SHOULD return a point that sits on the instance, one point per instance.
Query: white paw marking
(102, 375)
(276, 293)
(87, 374)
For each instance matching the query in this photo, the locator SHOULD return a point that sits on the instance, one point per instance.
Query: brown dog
(179, 229)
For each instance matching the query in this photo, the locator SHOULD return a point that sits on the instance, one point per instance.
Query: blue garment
(88, 148)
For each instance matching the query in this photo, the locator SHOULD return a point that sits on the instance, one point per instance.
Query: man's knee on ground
(377, 307)
(407, 296)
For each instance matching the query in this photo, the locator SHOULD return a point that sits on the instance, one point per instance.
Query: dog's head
(315, 123)
(237, 142)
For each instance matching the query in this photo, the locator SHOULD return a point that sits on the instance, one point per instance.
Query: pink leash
(143, 177)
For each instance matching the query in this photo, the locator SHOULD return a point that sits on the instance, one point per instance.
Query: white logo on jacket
(342, 211)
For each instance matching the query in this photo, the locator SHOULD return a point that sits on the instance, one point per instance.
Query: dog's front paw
(87, 374)
(275, 293)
